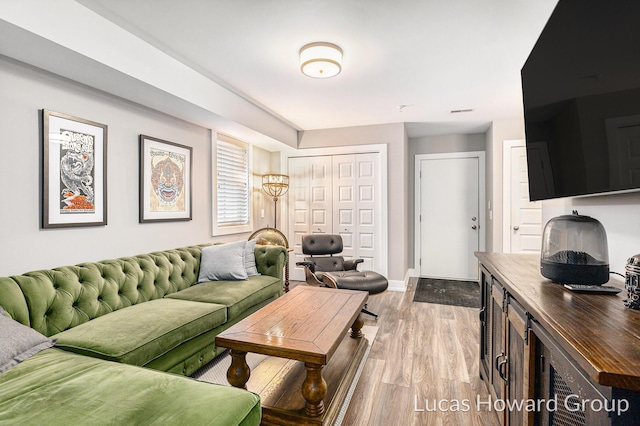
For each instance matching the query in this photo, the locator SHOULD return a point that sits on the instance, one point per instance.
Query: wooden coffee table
(306, 324)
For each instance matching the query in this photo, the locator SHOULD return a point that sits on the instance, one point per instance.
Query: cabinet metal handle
(482, 315)
(474, 227)
(515, 228)
(501, 373)
(497, 362)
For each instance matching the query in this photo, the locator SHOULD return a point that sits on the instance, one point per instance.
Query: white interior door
(339, 194)
(449, 217)
(357, 205)
(525, 222)
(344, 201)
(368, 211)
(522, 219)
(310, 204)
(299, 212)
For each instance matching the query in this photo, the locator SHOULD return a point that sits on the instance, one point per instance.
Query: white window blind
(232, 186)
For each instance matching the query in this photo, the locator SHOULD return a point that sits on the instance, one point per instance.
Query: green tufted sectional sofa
(142, 311)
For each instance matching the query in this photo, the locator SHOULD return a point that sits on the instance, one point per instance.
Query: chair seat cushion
(236, 296)
(369, 281)
(141, 333)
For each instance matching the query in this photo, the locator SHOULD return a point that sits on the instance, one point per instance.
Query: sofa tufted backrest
(51, 301)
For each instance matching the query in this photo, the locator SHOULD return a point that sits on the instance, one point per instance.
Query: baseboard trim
(397, 285)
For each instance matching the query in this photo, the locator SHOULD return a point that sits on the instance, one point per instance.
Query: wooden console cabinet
(554, 357)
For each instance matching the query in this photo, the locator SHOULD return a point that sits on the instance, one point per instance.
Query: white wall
(618, 213)
(25, 246)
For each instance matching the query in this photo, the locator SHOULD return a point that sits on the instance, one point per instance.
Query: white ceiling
(433, 55)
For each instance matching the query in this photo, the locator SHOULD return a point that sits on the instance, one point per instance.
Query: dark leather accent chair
(324, 269)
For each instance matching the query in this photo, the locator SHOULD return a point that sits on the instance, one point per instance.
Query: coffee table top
(306, 324)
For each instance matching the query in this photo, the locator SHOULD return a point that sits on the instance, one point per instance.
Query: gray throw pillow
(18, 342)
(223, 262)
(250, 258)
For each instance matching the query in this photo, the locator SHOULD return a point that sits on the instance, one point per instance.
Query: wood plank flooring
(424, 355)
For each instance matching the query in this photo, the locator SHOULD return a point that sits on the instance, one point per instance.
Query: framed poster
(74, 178)
(165, 180)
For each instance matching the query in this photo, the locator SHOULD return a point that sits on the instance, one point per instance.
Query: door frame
(347, 150)
(480, 155)
(506, 191)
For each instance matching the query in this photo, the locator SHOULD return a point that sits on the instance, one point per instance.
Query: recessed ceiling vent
(457, 111)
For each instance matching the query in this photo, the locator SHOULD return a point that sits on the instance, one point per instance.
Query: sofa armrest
(13, 301)
(270, 260)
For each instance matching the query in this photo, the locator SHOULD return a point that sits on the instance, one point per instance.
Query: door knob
(515, 228)
(473, 227)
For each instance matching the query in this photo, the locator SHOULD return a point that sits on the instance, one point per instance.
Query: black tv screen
(581, 94)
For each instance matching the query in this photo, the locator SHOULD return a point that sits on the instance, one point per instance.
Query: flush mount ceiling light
(320, 60)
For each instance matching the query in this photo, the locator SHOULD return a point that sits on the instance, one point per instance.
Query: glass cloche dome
(574, 250)
(270, 237)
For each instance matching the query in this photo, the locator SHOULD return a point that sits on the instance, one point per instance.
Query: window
(231, 187)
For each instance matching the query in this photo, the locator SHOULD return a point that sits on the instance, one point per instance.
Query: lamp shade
(321, 60)
(275, 185)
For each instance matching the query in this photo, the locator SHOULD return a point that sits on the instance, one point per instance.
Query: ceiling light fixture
(320, 60)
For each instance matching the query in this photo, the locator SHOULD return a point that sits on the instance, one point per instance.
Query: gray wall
(500, 131)
(25, 246)
(434, 145)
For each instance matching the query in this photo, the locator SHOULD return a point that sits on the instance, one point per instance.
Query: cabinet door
(485, 324)
(498, 347)
(519, 354)
(560, 378)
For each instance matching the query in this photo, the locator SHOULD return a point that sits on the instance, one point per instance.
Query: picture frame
(165, 180)
(74, 171)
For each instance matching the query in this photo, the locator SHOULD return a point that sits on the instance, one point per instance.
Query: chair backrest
(321, 244)
(321, 248)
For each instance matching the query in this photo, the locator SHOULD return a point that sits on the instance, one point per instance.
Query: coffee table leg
(238, 373)
(356, 328)
(314, 388)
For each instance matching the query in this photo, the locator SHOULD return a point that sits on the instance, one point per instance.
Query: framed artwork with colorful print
(165, 180)
(74, 171)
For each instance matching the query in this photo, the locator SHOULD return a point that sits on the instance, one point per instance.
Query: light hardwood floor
(424, 354)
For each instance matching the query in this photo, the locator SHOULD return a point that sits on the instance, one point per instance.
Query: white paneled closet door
(309, 204)
(356, 205)
(337, 194)
(299, 211)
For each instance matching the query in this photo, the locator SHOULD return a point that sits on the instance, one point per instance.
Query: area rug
(448, 292)
(216, 370)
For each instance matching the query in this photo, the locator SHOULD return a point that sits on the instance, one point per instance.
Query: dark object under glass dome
(575, 250)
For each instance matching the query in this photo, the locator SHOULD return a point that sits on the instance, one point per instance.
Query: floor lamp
(275, 185)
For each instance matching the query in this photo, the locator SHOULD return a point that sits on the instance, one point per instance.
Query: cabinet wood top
(596, 330)
(306, 324)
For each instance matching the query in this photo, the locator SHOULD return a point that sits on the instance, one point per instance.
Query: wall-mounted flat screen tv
(581, 93)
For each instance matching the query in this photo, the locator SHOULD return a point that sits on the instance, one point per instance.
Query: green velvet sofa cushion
(141, 333)
(237, 296)
(56, 387)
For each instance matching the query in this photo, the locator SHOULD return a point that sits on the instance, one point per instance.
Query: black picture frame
(74, 171)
